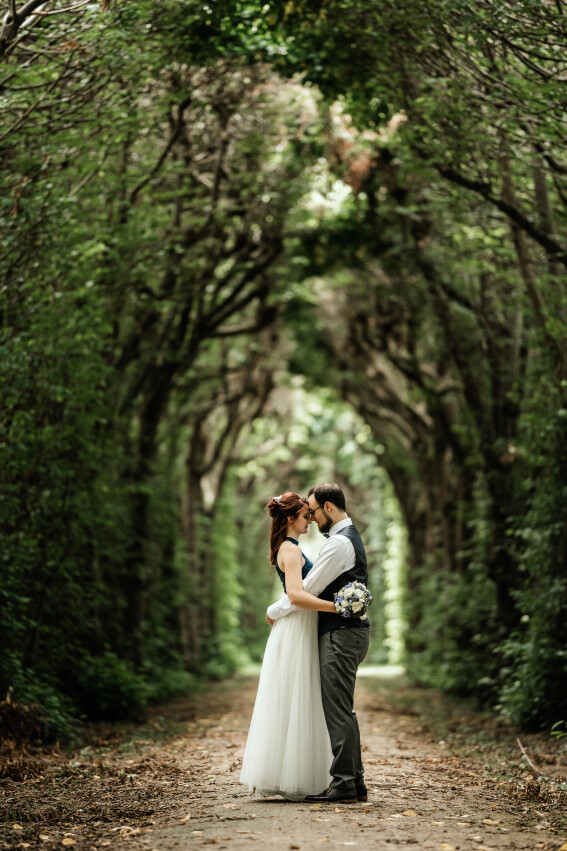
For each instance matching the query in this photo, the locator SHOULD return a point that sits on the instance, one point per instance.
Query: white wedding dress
(288, 751)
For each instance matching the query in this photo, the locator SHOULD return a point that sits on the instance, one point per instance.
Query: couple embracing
(304, 735)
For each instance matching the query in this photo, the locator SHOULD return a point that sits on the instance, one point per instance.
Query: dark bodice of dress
(304, 570)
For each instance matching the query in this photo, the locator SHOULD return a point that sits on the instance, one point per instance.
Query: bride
(288, 751)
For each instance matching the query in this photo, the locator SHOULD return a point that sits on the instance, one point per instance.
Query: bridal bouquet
(353, 600)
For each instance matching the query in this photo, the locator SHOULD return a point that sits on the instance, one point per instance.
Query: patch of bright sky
(324, 197)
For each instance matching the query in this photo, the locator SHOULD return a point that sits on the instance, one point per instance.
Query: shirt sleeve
(336, 556)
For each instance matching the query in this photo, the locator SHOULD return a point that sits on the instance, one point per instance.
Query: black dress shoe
(361, 794)
(332, 796)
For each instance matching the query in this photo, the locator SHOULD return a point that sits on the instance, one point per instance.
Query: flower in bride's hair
(278, 498)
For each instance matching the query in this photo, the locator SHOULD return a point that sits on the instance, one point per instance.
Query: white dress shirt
(336, 556)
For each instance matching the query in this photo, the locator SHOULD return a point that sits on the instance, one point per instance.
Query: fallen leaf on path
(231, 806)
(439, 823)
(338, 810)
(316, 807)
(44, 837)
(185, 818)
(68, 840)
(409, 813)
(445, 847)
(489, 821)
(563, 847)
(17, 827)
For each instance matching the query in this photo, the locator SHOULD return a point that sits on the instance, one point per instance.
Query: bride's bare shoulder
(288, 552)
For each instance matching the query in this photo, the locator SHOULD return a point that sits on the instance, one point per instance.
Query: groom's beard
(327, 525)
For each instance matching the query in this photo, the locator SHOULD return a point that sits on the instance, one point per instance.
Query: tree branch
(172, 140)
(14, 21)
(35, 105)
(233, 303)
(550, 245)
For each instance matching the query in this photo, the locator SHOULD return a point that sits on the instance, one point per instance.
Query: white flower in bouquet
(353, 600)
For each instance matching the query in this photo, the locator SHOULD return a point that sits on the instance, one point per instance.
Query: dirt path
(183, 789)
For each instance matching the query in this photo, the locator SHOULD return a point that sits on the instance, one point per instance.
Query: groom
(343, 642)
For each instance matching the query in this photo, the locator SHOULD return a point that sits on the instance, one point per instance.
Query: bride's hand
(270, 621)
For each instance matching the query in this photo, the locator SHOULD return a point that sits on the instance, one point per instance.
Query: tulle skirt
(288, 751)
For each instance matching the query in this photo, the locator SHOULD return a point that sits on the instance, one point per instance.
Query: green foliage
(534, 668)
(534, 654)
(162, 684)
(395, 587)
(123, 265)
(228, 652)
(161, 377)
(452, 634)
(109, 687)
(56, 714)
(442, 311)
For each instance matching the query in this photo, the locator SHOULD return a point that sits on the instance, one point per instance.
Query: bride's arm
(291, 565)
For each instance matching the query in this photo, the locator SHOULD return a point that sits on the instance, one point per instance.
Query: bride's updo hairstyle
(282, 509)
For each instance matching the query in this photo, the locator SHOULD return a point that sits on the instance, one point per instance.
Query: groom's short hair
(329, 492)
